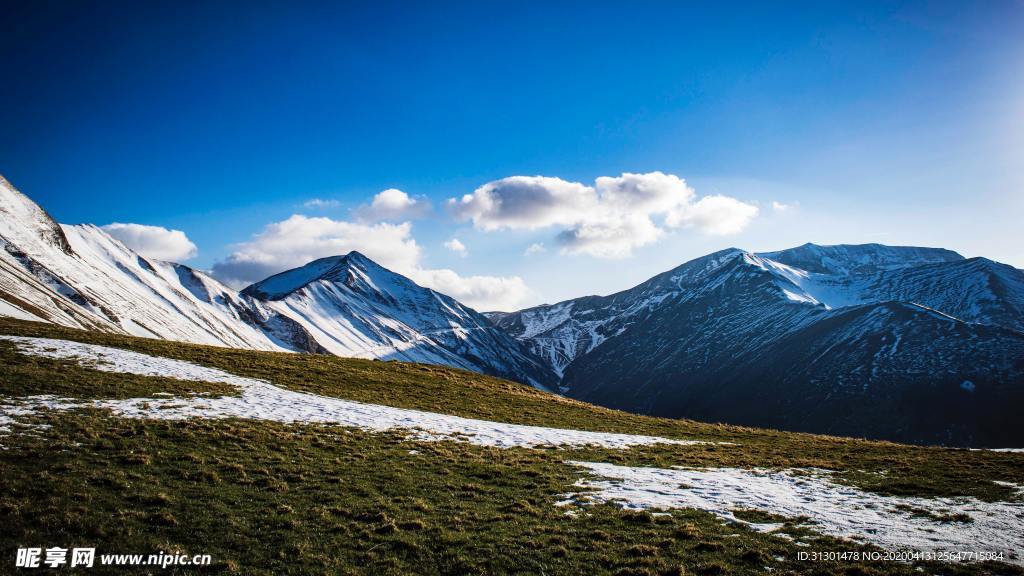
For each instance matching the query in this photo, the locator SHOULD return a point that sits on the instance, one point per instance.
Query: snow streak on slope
(890, 522)
(261, 400)
(23, 222)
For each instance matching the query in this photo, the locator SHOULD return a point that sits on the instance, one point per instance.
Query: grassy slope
(269, 498)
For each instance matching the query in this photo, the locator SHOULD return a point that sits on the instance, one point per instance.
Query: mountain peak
(846, 258)
(357, 256)
(696, 268)
(24, 223)
(330, 268)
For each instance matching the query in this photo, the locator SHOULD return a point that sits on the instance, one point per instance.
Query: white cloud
(780, 208)
(321, 203)
(607, 220)
(651, 193)
(715, 215)
(614, 237)
(301, 239)
(393, 205)
(525, 202)
(455, 246)
(483, 293)
(535, 248)
(153, 241)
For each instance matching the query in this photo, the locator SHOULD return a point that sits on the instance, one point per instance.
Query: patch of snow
(10, 413)
(540, 320)
(261, 400)
(1017, 488)
(833, 509)
(790, 295)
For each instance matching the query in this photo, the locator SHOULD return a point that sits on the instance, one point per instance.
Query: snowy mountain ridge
(81, 277)
(828, 276)
(803, 339)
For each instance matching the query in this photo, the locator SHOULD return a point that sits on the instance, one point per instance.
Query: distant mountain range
(909, 344)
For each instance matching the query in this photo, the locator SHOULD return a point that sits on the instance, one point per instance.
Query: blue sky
(891, 122)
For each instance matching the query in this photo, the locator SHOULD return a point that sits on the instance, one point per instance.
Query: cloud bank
(483, 293)
(717, 215)
(607, 220)
(153, 241)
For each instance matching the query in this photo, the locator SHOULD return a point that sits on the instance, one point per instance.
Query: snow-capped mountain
(912, 344)
(355, 307)
(81, 277)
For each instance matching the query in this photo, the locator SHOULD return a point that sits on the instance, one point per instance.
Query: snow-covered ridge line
(889, 522)
(261, 400)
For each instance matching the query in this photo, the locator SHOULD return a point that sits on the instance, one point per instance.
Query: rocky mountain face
(908, 344)
(81, 277)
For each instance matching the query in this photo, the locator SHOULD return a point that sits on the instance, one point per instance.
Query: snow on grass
(8, 413)
(1017, 488)
(10, 418)
(262, 400)
(889, 522)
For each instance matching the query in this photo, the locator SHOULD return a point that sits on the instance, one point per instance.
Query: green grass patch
(945, 518)
(761, 517)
